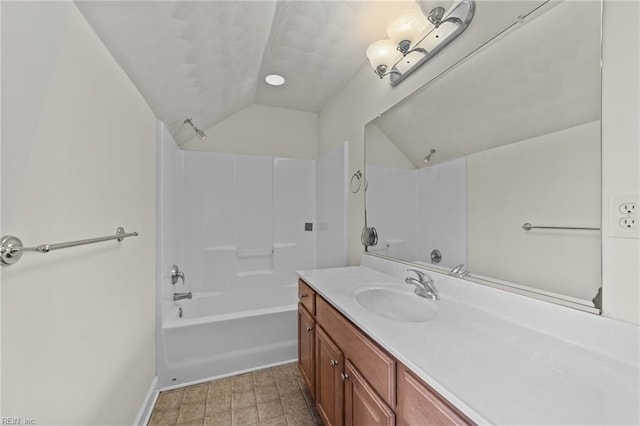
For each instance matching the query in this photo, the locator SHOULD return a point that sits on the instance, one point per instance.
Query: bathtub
(220, 334)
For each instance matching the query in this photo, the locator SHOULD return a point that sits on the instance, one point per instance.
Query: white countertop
(494, 367)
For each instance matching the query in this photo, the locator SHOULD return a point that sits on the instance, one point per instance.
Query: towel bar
(11, 248)
(528, 227)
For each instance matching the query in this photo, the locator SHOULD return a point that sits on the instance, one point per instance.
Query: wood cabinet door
(362, 405)
(306, 349)
(329, 386)
(377, 366)
(419, 405)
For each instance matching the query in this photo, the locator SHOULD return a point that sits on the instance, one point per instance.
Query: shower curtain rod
(11, 248)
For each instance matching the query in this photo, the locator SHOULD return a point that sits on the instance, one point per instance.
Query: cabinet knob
(303, 295)
(334, 362)
(344, 377)
(309, 328)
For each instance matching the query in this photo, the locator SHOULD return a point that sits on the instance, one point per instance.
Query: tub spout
(182, 296)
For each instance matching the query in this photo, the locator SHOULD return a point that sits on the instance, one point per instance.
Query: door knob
(344, 376)
(175, 274)
(334, 362)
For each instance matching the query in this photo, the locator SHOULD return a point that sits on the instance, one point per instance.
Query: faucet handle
(422, 277)
(425, 286)
(459, 271)
(175, 274)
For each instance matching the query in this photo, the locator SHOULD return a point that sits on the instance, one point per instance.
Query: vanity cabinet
(306, 348)
(362, 405)
(353, 380)
(329, 386)
(418, 404)
(307, 336)
(378, 367)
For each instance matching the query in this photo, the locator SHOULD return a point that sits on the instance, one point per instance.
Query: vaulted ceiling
(208, 59)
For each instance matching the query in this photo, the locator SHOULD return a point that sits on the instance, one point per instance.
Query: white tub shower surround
(244, 221)
(212, 339)
(240, 221)
(400, 204)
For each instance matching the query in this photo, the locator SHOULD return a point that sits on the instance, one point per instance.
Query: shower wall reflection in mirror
(509, 136)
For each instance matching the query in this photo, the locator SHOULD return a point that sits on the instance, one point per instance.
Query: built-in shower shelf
(247, 253)
(231, 261)
(255, 272)
(284, 245)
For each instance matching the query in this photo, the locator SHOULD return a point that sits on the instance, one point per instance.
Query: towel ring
(356, 182)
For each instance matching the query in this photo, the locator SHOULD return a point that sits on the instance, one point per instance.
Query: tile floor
(272, 397)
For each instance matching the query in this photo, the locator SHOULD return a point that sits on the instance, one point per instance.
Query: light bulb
(427, 6)
(382, 55)
(407, 27)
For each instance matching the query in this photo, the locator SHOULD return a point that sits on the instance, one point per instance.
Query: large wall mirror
(507, 137)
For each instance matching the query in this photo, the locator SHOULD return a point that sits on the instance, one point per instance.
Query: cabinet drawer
(418, 404)
(377, 367)
(307, 297)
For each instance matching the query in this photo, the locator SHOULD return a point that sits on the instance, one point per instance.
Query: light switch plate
(620, 218)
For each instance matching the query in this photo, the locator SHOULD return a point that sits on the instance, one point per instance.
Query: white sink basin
(396, 305)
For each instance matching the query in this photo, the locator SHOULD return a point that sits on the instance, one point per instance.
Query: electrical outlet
(624, 220)
(628, 208)
(628, 222)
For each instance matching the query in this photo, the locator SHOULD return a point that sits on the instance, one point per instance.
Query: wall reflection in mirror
(509, 136)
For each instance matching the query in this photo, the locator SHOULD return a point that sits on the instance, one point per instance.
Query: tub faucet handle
(175, 274)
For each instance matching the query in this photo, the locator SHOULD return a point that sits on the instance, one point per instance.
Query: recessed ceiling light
(274, 80)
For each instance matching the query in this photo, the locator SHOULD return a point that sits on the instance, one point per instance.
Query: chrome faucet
(182, 296)
(424, 285)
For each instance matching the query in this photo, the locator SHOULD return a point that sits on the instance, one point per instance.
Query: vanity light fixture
(416, 37)
(406, 29)
(202, 135)
(436, 15)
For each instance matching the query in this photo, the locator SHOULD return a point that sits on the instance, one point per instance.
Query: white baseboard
(144, 413)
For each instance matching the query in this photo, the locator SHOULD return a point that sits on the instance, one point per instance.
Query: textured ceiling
(540, 78)
(208, 59)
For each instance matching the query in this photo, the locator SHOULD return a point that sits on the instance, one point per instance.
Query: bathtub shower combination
(214, 338)
(238, 227)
